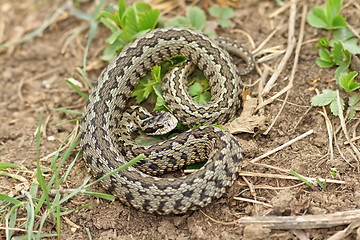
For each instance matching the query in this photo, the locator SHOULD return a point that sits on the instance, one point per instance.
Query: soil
(32, 83)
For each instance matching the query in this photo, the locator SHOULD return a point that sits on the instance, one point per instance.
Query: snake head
(159, 123)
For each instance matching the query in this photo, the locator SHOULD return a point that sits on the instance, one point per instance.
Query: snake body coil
(109, 99)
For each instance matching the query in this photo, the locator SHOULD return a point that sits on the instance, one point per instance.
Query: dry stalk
(296, 60)
(343, 126)
(271, 175)
(303, 222)
(289, 50)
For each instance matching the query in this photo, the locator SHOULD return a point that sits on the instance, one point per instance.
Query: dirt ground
(32, 81)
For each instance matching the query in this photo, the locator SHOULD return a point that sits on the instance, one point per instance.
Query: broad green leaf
(160, 104)
(141, 7)
(113, 37)
(324, 64)
(228, 12)
(111, 50)
(121, 11)
(197, 17)
(342, 34)
(110, 24)
(148, 19)
(317, 18)
(325, 55)
(348, 82)
(215, 11)
(180, 21)
(354, 105)
(130, 21)
(338, 22)
(343, 69)
(195, 89)
(334, 107)
(352, 46)
(325, 59)
(332, 8)
(340, 55)
(224, 23)
(325, 98)
(108, 15)
(204, 98)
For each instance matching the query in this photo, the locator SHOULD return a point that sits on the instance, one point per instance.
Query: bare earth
(32, 81)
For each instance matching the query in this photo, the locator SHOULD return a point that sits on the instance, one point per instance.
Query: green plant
(222, 15)
(126, 24)
(327, 17)
(336, 51)
(45, 201)
(195, 18)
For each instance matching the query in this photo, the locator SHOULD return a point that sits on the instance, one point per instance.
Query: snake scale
(100, 138)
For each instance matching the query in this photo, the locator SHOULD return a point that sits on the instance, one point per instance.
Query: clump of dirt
(32, 76)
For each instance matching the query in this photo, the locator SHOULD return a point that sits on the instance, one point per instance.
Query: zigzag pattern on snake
(100, 135)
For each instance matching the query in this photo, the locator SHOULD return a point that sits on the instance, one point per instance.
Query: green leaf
(328, 97)
(343, 69)
(195, 89)
(340, 55)
(121, 11)
(321, 184)
(160, 104)
(342, 34)
(228, 12)
(100, 195)
(354, 105)
(107, 15)
(317, 18)
(215, 11)
(70, 82)
(180, 21)
(332, 8)
(327, 17)
(324, 64)
(8, 165)
(348, 82)
(224, 23)
(323, 43)
(9, 199)
(222, 14)
(352, 46)
(68, 111)
(325, 98)
(110, 24)
(338, 22)
(301, 178)
(203, 98)
(334, 107)
(325, 59)
(148, 19)
(197, 17)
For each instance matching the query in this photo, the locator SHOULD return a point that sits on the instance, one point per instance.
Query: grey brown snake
(103, 145)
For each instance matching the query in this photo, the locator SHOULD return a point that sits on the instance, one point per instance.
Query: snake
(105, 144)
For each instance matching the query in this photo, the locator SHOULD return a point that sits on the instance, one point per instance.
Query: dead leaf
(246, 122)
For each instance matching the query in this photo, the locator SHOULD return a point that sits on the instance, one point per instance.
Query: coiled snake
(100, 135)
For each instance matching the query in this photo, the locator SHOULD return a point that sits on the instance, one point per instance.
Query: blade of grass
(9, 199)
(39, 173)
(86, 186)
(77, 89)
(68, 111)
(301, 178)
